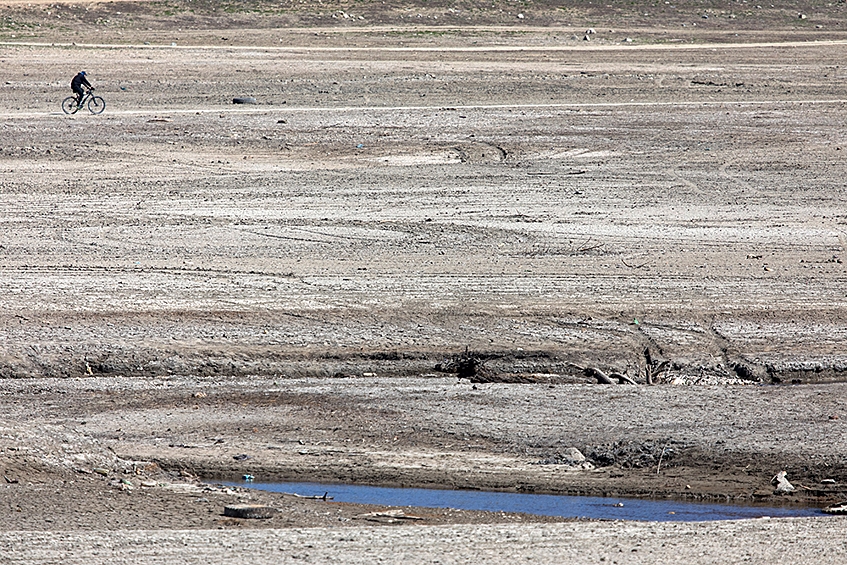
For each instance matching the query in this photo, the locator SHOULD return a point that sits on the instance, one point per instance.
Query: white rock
(780, 481)
(573, 454)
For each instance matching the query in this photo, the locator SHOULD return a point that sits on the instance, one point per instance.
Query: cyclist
(76, 85)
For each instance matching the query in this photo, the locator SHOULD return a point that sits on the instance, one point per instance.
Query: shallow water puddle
(541, 504)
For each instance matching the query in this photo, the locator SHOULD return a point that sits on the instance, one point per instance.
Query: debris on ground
(249, 511)
(780, 481)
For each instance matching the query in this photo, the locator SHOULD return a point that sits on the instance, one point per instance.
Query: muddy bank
(245, 344)
(721, 443)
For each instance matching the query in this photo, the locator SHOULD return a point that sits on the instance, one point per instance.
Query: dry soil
(185, 280)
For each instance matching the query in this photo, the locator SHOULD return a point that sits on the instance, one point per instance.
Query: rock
(840, 508)
(244, 100)
(780, 481)
(572, 455)
(249, 511)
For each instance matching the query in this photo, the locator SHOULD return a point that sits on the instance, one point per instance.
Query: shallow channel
(540, 504)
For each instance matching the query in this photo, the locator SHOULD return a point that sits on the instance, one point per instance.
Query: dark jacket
(79, 80)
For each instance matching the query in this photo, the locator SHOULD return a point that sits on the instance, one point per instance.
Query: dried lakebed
(206, 281)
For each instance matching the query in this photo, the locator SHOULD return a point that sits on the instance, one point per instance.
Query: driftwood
(388, 516)
(295, 495)
(661, 455)
(603, 378)
(599, 375)
(622, 379)
(652, 367)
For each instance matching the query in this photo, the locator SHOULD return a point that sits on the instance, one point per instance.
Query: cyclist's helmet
(82, 73)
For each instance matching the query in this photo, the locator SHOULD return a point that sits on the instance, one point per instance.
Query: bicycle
(96, 104)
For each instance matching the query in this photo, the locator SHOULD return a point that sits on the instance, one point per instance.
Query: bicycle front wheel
(69, 105)
(96, 105)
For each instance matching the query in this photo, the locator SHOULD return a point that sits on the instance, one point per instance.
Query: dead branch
(659, 466)
(653, 367)
(622, 379)
(583, 248)
(316, 497)
(633, 266)
(599, 375)
(388, 516)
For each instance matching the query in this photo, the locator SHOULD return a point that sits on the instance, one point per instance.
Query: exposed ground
(184, 280)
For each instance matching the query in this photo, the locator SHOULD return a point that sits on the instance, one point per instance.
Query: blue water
(541, 504)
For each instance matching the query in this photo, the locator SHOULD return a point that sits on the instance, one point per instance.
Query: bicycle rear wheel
(96, 105)
(69, 105)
